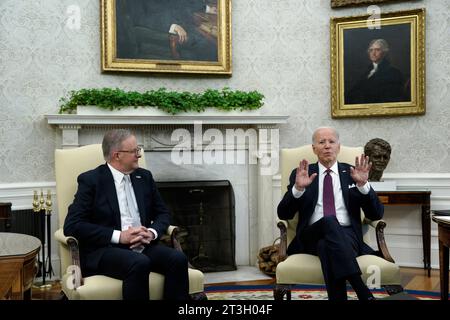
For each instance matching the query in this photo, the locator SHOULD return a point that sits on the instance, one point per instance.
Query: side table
(18, 254)
(408, 198)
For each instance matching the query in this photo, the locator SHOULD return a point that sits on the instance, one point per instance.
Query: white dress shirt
(125, 217)
(341, 211)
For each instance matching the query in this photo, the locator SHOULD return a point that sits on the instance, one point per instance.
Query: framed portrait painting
(378, 65)
(170, 36)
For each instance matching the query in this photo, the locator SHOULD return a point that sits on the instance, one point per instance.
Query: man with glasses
(118, 217)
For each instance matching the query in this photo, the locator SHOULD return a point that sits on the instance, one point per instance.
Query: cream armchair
(69, 163)
(306, 268)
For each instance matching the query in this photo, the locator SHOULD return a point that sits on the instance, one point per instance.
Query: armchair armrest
(379, 226)
(170, 230)
(60, 237)
(173, 231)
(282, 225)
(170, 238)
(72, 244)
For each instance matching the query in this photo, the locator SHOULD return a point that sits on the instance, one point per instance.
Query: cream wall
(280, 48)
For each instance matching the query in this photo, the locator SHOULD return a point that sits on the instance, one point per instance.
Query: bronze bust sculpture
(379, 152)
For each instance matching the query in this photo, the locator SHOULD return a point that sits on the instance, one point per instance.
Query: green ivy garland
(169, 101)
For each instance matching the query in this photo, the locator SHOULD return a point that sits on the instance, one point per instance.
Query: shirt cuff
(365, 188)
(115, 236)
(153, 231)
(297, 194)
(172, 29)
(212, 9)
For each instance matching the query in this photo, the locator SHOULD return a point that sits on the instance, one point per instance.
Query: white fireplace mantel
(70, 124)
(244, 119)
(258, 229)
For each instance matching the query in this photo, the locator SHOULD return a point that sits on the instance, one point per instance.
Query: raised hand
(360, 173)
(302, 180)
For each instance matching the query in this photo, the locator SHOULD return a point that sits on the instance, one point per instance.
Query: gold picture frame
(394, 86)
(347, 3)
(165, 37)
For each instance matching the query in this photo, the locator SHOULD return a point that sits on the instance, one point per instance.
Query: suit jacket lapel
(345, 182)
(138, 187)
(107, 181)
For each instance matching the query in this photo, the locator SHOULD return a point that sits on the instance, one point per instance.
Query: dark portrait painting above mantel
(170, 36)
(346, 3)
(378, 65)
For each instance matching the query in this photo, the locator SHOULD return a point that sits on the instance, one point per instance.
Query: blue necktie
(328, 195)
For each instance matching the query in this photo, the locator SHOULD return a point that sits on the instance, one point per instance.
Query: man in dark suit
(328, 197)
(118, 217)
(381, 82)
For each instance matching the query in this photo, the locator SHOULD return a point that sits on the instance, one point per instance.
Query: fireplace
(253, 184)
(205, 213)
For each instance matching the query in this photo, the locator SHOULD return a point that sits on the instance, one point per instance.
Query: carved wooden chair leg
(199, 296)
(280, 290)
(393, 289)
(277, 294)
(288, 294)
(63, 297)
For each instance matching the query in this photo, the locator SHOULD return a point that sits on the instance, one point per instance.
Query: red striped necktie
(328, 195)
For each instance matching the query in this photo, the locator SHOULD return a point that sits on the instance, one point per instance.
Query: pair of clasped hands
(136, 236)
(359, 173)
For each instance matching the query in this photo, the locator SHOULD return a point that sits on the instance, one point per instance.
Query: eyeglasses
(136, 151)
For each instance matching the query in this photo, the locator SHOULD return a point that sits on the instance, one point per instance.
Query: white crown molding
(416, 175)
(420, 180)
(21, 194)
(26, 185)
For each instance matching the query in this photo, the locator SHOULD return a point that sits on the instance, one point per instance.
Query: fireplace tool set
(43, 207)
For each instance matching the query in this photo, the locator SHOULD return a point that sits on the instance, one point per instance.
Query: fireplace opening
(205, 213)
